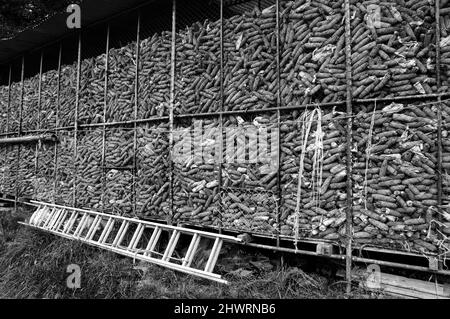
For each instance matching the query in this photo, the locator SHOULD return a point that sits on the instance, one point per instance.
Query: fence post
(277, 3)
(38, 124)
(136, 108)
(19, 133)
(77, 104)
(105, 106)
(349, 112)
(172, 101)
(222, 100)
(439, 126)
(58, 106)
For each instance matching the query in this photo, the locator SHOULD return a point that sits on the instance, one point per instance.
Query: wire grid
(198, 68)
(152, 178)
(195, 172)
(196, 193)
(121, 83)
(396, 187)
(312, 53)
(249, 176)
(92, 90)
(250, 152)
(154, 76)
(404, 52)
(3, 108)
(49, 99)
(30, 103)
(317, 209)
(14, 107)
(10, 168)
(250, 210)
(445, 209)
(89, 169)
(65, 168)
(119, 171)
(68, 83)
(43, 184)
(250, 66)
(26, 173)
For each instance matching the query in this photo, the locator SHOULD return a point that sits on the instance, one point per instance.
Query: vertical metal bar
(105, 107)
(439, 126)
(22, 93)
(349, 107)
(58, 106)
(277, 3)
(77, 104)
(172, 100)
(9, 99)
(38, 124)
(7, 111)
(222, 101)
(136, 108)
(22, 75)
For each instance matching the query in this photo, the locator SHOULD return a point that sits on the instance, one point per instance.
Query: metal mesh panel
(153, 185)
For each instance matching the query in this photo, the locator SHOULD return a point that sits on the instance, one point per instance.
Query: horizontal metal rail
(29, 139)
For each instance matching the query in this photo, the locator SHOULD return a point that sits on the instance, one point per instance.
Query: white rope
(368, 149)
(305, 131)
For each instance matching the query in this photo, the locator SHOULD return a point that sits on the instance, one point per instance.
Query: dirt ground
(34, 265)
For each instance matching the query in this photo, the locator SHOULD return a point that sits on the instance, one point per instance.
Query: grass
(33, 265)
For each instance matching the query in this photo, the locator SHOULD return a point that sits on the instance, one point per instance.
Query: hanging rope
(368, 150)
(308, 119)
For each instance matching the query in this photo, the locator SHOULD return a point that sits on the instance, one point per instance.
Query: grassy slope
(33, 265)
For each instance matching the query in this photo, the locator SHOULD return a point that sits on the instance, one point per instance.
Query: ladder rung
(121, 233)
(215, 251)
(137, 235)
(80, 226)
(93, 228)
(68, 227)
(47, 217)
(187, 261)
(171, 245)
(54, 218)
(109, 226)
(34, 219)
(153, 241)
(60, 220)
(42, 213)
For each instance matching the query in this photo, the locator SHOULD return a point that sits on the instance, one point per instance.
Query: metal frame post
(349, 111)
(58, 106)
(277, 3)
(136, 108)
(38, 124)
(222, 101)
(77, 104)
(439, 126)
(16, 197)
(9, 99)
(105, 106)
(172, 103)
